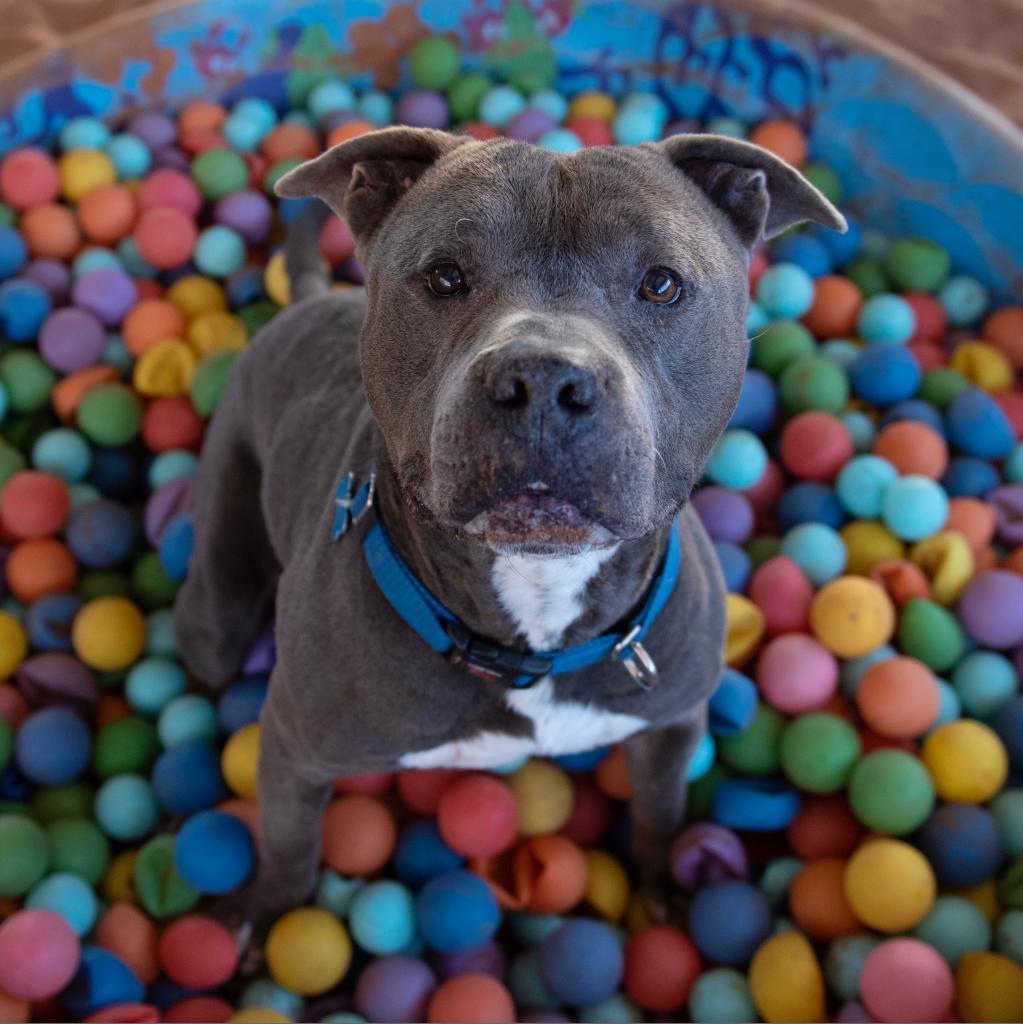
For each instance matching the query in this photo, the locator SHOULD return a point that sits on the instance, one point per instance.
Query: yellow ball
(118, 882)
(989, 987)
(744, 630)
(786, 981)
(852, 616)
(607, 885)
(867, 543)
(13, 644)
(164, 369)
(82, 170)
(983, 365)
(240, 761)
(308, 951)
(890, 885)
(967, 761)
(593, 104)
(276, 281)
(258, 1015)
(947, 559)
(195, 295)
(109, 633)
(216, 331)
(545, 796)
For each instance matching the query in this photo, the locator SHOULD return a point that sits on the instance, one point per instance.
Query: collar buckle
(493, 662)
(349, 506)
(636, 659)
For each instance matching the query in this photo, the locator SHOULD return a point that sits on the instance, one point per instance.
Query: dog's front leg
(658, 761)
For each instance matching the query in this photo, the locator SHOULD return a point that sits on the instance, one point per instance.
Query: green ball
(73, 799)
(110, 415)
(825, 180)
(757, 750)
(465, 95)
(210, 380)
(129, 744)
(11, 462)
(720, 996)
(103, 583)
(843, 963)
(890, 791)
(868, 275)
(954, 926)
(434, 62)
(763, 549)
(6, 743)
(916, 264)
(812, 383)
(701, 792)
(24, 854)
(780, 344)
(78, 845)
(162, 891)
(940, 385)
(28, 380)
(219, 172)
(257, 315)
(1007, 809)
(818, 751)
(8, 216)
(931, 634)
(278, 170)
(777, 879)
(150, 584)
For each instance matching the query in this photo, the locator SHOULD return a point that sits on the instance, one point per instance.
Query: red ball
(34, 504)
(1011, 403)
(196, 1009)
(480, 130)
(125, 1013)
(780, 589)
(336, 242)
(764, 494)
(478, 816)
(591, 813)
(824, 827)
(592, 131)
(661, 965)
(928, 356)
(170, 188)
(197, 952)
(931, 319)
(165, 237)
(815, 446)
(471, 999)
(368, 785)
(172, 422)
(28, 177)
(421, 791)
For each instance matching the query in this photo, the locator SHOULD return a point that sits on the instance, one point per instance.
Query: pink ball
(797, 674)
(906, 980)
(38, 954)
(478, 816)
(780, 589)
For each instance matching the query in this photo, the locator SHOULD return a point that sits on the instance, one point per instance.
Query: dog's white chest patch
(544, 597)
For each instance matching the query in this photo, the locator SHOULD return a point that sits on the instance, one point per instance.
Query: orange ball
(165, 237)
(902, 580)
(836, 304)
(471, 999)
(152, 320)
(550, 874)
(824, 827)
(172, 422)
(50, 231)
(36, 568)
(349, 130)
(784, 139)
(817, 900)
(128, 933)
(898, 698)
(34, 504)
(913, 447)
(612, 775)
(290, 140)
(974, 519)
(28, 177)
(358, 835)
(201, 115)
(1004, 330)
(107, 213)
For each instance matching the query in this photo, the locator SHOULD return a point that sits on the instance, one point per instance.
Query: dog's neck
(518, 600)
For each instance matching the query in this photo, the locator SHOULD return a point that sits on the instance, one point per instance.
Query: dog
(464, 487)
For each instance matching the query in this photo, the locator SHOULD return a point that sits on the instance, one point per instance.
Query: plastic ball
(815, 446)
(187, 778)
(785, 290)
(817, 549)
(817, 900)
(906, 980)
(963, 844)
(891, 792)
(581, 962)
(886, 319)
(544, 796)
(977, 426)
(53, 746)
(898, 698)
(471, 999)
(214, 852)
(728, 920)
(796, 674)
(164, 236)
(991, 609)
(889, 885)
(721, 995)
(126, 807)
(457, 912)
(308, 951)
(818, 752)
(738, 460)
(989, 987)
(395, 988)
(109, 633)
(34, 504)
(785, 980)
(24, 854)
(39, 954)
(478, 816)
(358, 835)
(885, 375)
(661, 966)
(101, 534)
(967, 761)
(197, 952)
(914, 507)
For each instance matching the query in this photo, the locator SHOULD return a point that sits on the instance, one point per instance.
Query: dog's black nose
(551, 385)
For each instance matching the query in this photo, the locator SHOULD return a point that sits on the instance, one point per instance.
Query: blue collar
(442, 631)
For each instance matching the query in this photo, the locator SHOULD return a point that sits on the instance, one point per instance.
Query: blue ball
(328, 96)
(738, 460)
(886, 319)
(733, 705)
(152, 684)
(728, 921)
(985, 682)
(976, 425)
(457, 912)
(243, 133)
(115, 473)
(785, 290)
(861, 429)
(754, 805)
(53, 746)
(917, 410)
(214, 852)
(756, 320)
(703, 759)
(68, 895)
(95, 258)
(806, 251)
(219, 251)
(102, 979)
(757, 408)
(258, 109)
(64, 453)
(244, 286)
(172, 465)
(582, 962)
(885, 374)
(24, 305)
(841, 352)
(382, 918)
(13, 252)
(560, 140)
(376, 107)
(551, 102)
(176, 546)
(101, 534)
(844, 248)
(48, 622)
(967, 477)
(964, 298)
(500, 104)
(241, 703)
(268, 995)
(185, 718)
(735, 565)
(862, 483)
(817, 549)
(914, 507)
(130, 156)
(1009, 726)
(963, 844)
(809, 503)
(187, 778)
(126, 807)
(84, 133)
(637, 124)
(421, 853)
(949, 706)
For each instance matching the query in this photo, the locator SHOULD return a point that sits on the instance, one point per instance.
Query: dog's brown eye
(661, 286)
(446, 279)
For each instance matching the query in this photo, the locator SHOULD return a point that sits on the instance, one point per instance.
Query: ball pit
(863, 496)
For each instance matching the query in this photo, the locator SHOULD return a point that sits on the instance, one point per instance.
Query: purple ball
(106, 292)
(52, 275)
(71, 339)
(853, 1013)
(262, 654)
(727, 515)
(707, 853)
(172, 158)
(395, 988)
(422, 108)
(248, 212)
(991, 609)
(529, 124)
(57, 678)
(156, 130)
(1007, 502)
(165, 504)
(488, 959)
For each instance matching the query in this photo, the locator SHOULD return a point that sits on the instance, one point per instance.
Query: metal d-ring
(638, 662)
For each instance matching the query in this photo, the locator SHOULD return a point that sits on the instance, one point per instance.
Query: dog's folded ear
(362, 179)
(760, 193)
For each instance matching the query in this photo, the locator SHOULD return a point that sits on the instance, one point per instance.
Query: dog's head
(554, 342)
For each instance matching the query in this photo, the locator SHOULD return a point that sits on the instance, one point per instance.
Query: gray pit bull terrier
(466, 485)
